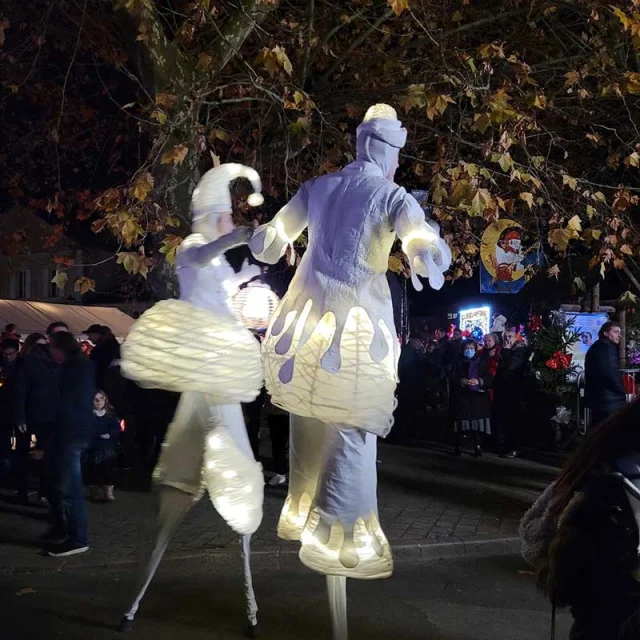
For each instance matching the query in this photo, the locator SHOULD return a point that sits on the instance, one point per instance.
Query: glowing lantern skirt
(178, 347)
(254, 305)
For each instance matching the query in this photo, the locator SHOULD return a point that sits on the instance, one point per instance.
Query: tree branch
(237, 29)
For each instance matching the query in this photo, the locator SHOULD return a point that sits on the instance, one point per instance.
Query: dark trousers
(253, 412)
(43, 432)
(509, 419)
(279, 433)
(101, 473)
(67, 503)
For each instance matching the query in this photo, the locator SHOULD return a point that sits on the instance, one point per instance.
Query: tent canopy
(32, 317)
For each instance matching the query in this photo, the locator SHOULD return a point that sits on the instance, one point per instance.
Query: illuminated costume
(196, 346)
(330, 353)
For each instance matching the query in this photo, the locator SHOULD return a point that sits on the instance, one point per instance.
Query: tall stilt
(337, 593)
(174, 505)
(250, 596)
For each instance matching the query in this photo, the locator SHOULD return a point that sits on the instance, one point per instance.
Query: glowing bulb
(215, 442)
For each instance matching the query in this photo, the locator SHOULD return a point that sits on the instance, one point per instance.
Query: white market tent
(32, 317)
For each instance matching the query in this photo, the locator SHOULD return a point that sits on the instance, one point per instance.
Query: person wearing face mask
(471, 380)
(35, 395)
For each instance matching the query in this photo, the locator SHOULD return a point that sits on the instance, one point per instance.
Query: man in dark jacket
(105, 352)
(35, 401)
(604, 390)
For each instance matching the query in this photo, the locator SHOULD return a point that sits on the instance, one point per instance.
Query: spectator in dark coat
(508, 390)
(470, 382)
(604, 389)
(9, 349)
(73, 433)
(35, 397)
(105, 352)
(410, 391)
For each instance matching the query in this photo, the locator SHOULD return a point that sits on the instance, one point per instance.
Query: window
(21, 284)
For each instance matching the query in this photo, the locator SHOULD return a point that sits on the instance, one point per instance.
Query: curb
(280, 557)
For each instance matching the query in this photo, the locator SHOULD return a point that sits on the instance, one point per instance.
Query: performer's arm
(201, 255)
(270, 241)
(429, 256)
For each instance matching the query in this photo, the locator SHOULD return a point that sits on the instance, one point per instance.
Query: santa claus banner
(504, 261)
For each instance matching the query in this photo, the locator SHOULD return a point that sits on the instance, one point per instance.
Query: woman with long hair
(583, 533)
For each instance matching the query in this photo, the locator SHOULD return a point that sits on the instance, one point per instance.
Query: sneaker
(67, 548)
(43, 502)
(277, 480)
(108, 493)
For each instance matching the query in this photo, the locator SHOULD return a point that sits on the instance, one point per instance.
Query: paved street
(464, 599)
(431, 504)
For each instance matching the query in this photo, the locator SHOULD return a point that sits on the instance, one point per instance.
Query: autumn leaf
(559, 238)
(398, 6)
(169, 248)
(159, 116)
(528, 198)
(481, 201)
(133, 262)
(481, 121)
(142, 186)
(626, 249)
(590, 211)
(166, 100)
(579, 284)
(60, 279)
(506, 162)
(628, 298)
(83, 285)
(575, 224)
(437, 104)
(570, 182)
(553, 272)
(571, 78)
(204, 61)
(26, 591)
(176, 155)
(274, 59)
(633, 160)
(416, 97)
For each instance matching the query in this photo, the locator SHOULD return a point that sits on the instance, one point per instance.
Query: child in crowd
(102, 452)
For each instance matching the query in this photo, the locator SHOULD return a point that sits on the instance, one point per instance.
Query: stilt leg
(337, 593)
(174, 505)
(250, 596)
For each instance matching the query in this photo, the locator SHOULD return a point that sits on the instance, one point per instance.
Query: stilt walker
(330, 354)
(196, 346)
